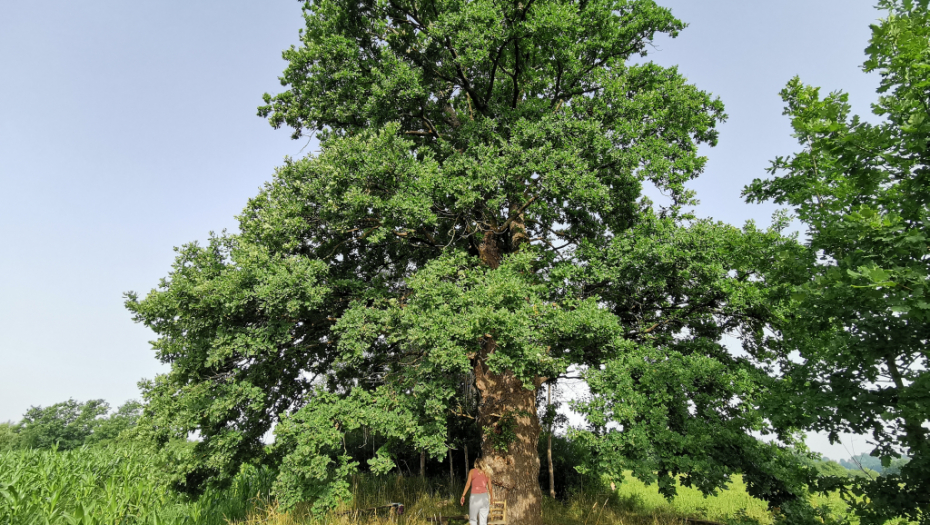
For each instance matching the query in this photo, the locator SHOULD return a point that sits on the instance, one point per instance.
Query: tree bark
(503, 396)
(467, 464)
(518, 227)
(422, 463)
(489, 250)
(549, 447)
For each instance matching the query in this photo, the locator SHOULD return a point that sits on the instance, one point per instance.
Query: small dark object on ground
(396, 509)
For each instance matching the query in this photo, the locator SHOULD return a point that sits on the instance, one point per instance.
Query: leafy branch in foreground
(860, 323)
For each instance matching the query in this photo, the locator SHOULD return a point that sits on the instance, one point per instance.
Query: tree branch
(514, 215)
(500, 51)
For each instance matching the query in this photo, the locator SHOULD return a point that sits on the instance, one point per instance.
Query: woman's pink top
(479, 482)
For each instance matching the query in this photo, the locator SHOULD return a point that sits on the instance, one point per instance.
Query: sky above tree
(130, 128)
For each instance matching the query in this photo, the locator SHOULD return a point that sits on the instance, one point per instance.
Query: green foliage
(239, 327)
(633, 503)
(9, 436)
(503, 432)
(117, 424)
(69, 425)
(894, 468)
(840, 471)
(114, 484)
(865, 465)
(863, 461)
(478, 185)
(831, 468)
(567, 456)
(860, 323)
(686, 403)
(732, 504)
(65, 425)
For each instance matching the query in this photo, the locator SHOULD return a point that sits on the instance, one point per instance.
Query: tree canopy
(69, 424)
(855, 347)
(475, 217)
(65, 425)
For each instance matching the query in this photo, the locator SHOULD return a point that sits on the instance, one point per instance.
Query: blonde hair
(480, 464)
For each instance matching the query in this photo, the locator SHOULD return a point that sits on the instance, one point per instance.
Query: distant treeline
(869, 463)
(69, 424)
(72, 424)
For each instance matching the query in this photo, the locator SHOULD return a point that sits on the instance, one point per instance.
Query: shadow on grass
(425, 500)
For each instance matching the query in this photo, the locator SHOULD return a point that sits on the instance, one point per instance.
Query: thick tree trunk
(502, 397)
(489, 250)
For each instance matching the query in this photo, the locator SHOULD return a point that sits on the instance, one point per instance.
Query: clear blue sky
(128, 128)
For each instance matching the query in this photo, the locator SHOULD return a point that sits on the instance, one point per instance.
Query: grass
(633, 504)
(120, 485)
(729, 505)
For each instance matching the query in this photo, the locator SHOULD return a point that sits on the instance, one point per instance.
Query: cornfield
(114, 485)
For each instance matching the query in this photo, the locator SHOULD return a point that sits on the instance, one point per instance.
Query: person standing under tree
(482, 494)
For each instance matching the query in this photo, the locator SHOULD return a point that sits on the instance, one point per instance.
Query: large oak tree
(475, 211)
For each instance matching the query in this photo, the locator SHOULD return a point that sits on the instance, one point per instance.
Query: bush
(567, 456)
(9, 436)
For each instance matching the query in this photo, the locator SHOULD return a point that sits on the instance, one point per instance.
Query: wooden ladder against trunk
(498, 513)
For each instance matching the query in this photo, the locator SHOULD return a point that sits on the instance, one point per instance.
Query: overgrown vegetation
(632, 503)
(116, 484)
(123, 485)
(121, 482)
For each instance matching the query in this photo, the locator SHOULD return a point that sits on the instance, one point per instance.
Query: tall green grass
(122, 485)
(111, 485)
(632, 503)
(734, 503)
